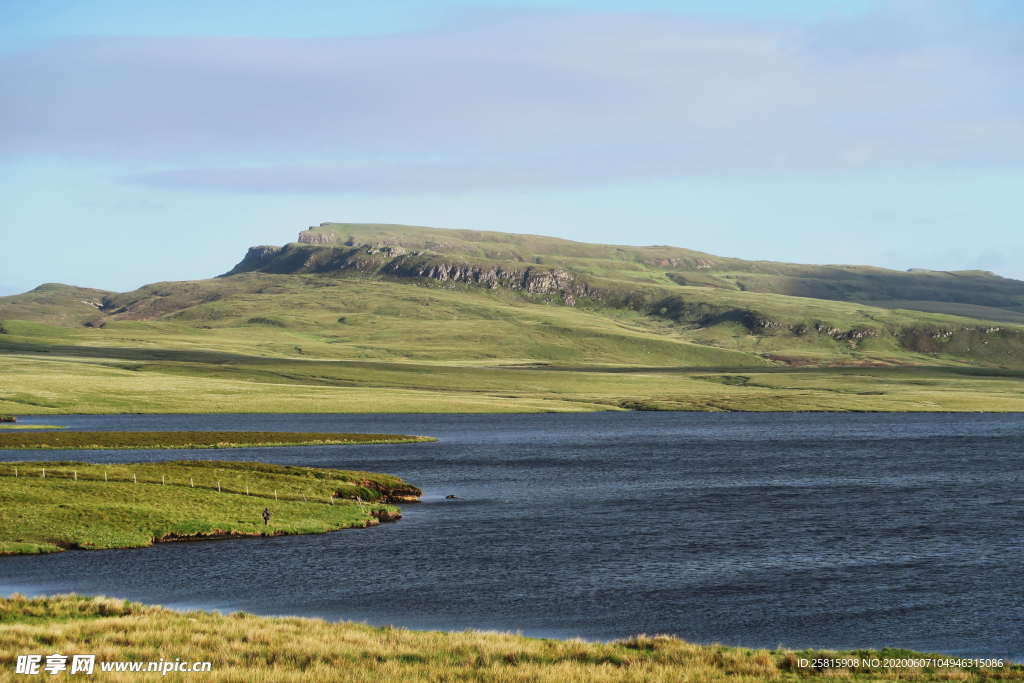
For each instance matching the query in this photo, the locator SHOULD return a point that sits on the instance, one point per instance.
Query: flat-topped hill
(991, 296)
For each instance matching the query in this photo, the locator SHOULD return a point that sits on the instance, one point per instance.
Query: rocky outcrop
(567, 286)
(313, 255)
(996, 343)
(837, 333)
(319, 238)
(385, 515)
(404, 493)
(703, 314)
(390, 251)
(698, 263)
(256, 258)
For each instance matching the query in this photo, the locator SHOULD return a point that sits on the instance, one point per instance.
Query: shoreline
(378, 517)
(8, 592)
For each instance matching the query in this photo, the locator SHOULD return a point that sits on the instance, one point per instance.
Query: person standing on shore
(266, 516)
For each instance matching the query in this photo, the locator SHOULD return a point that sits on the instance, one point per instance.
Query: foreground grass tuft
(243, 647)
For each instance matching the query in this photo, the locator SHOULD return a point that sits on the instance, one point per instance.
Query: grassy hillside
(916, 289)
(245, 647)
(391, 318)
(818, 308)
(56, 303)
(52, 506)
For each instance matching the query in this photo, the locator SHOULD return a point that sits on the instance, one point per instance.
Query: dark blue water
(806, 530)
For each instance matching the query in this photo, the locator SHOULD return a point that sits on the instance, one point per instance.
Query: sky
(143, 142)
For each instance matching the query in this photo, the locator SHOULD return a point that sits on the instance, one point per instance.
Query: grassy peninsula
(241, 646)
(115, 440)
(53, 506)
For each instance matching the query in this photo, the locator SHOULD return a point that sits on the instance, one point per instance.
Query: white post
(44, 473)
(134, 478)
(247, 489)
(218, 486)
(15, 471)
(76, 474)
(275, 493)
(163, 480)
(191, 483)
(104, 475)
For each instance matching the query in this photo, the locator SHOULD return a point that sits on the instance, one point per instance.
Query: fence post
(104, 475)
(163, 480)
(44, 473)
(76, 474)
(134, 478)
(191, 483)
(275, 490)
(218, 486)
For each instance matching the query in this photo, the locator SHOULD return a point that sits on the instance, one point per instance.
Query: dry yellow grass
(243, 647)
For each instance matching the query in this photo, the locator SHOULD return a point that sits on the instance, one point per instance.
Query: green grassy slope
(304, 316)
(55, 303)
(390, 318)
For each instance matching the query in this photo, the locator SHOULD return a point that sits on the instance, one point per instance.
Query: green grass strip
(149, 440)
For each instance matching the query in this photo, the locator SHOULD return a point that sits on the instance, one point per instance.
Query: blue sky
(142, 142)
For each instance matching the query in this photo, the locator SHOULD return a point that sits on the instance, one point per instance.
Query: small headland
(114, 440)
(60, 505)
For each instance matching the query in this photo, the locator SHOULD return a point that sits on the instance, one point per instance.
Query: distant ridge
(478, 295)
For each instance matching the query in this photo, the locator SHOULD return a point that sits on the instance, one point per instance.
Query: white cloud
(528, 98)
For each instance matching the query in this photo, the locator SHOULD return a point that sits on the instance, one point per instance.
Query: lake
(756, 529)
